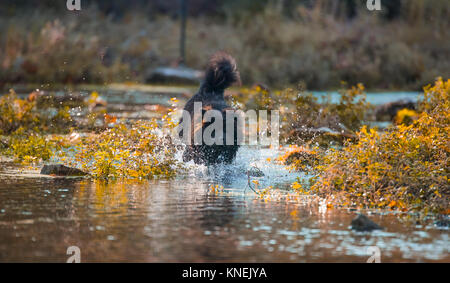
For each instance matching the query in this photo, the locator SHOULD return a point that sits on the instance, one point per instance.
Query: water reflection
(182, 221)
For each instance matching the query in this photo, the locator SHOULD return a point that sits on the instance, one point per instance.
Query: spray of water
(254, 162)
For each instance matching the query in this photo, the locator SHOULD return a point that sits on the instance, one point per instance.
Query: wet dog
(220, 74)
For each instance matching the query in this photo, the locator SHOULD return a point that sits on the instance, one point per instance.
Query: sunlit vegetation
(33, 132)
(405, 117)
(300, 158)
(23, 126)
(30, 149)
(404, 168)
(305, 119)
(135, 151)
(21, 116)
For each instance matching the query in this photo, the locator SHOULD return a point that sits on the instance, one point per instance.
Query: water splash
(248, 158)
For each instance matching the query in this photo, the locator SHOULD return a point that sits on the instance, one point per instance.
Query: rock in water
(177, 75)
(363, 224)
(61, 170)
(443, 221)
(388, 111)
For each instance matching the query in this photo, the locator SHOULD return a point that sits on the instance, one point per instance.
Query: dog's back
(221, 73)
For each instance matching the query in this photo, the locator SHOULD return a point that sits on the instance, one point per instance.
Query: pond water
(123, 95)
(183, 220)
(375, 98)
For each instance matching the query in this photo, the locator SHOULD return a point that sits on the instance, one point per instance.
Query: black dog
(221, 73)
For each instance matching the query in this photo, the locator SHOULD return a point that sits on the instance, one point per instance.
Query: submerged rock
(324, 135)
(362, 223)
(61, 170)
(177, 75)
(389, 110)
(443, 222)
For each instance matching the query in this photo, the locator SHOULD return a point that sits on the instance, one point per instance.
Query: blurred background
(318, 43)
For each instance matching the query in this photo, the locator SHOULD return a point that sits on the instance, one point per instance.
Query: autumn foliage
(405, 167)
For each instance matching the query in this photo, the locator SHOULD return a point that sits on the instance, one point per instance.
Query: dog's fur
(220, 73)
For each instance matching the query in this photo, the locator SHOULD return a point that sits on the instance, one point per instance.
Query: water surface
(182, 220)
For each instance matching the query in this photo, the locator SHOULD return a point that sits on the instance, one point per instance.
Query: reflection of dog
(221, 73)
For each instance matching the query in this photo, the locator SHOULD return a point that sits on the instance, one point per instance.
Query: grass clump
(326, 122)
(24, 114)
(136, 151)
(34, 130)
(23, 128)
(405, 167)
(307, 119)
(16, 113)
(31, 149)
(300, 158)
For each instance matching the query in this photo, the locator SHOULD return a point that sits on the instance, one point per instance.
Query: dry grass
(311, 45)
